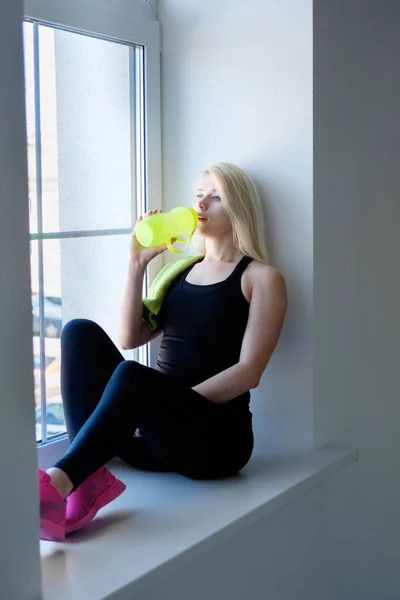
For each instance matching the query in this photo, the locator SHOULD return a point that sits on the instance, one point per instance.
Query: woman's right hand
(140, 254)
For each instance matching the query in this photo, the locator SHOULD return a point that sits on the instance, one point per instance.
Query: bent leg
(136, 452)
(88, 359)
(186, 432)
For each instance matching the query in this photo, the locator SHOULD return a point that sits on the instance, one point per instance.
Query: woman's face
(209, 206)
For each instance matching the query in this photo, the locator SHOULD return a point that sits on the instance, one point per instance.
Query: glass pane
(48, 127)
(80, 115)
(52, 330)
(55, 422)
(35, 336)
(53, 322)
(83, 278)
(85, 108)
(30, 122)
(93, 274)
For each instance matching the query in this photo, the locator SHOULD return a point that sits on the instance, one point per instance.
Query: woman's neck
(214, 259)
(219, 252)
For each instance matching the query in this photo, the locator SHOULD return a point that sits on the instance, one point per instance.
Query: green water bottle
(161, 228)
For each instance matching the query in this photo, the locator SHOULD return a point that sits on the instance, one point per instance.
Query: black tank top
(203, 329)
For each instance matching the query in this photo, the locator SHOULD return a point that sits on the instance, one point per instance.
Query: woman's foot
(52, 510)
(61, 481)
(96, 491)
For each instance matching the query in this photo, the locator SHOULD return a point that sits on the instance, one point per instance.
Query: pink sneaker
(96, 491)
(52, 510)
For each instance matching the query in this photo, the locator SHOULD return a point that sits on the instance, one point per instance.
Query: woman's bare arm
(266, 315)
(132, 332)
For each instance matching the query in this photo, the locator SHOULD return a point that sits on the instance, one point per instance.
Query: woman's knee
(78, 327)
(127, 368)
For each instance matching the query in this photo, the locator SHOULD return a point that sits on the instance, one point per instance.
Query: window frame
(124, 23)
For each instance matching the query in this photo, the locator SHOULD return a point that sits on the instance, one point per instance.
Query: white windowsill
(163, 521)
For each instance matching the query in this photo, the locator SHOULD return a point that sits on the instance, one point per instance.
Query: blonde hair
(242, 202)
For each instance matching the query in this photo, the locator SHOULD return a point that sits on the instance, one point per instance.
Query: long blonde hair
(242, 202)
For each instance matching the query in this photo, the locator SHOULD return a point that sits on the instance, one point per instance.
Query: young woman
(220, 320)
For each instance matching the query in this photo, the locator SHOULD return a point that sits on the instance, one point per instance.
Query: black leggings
(106, 398)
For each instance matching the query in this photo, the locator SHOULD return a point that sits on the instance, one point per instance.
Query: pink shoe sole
(52, 510)
(51, 531)
(104, 498)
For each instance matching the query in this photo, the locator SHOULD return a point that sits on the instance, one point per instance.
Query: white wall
(19, 512)
(340, 540)
(357, 285)
(237, 86)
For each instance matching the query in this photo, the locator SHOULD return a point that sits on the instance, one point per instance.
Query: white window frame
(121, 22)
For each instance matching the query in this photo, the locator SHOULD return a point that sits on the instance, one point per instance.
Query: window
(91, 146)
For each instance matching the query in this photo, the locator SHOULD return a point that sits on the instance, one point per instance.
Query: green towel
(151, 306)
